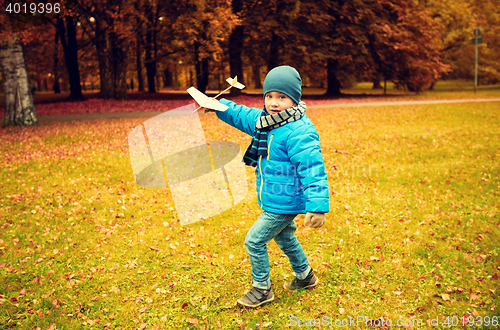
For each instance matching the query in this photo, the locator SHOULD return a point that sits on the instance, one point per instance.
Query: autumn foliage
(151, 45)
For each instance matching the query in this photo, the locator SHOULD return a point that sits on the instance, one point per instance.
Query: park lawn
(412, 232)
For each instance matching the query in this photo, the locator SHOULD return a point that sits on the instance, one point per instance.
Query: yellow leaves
(114, 289)
(46, 295)
(193, 321)
(342, 310)
(445, 296)
(71, 283)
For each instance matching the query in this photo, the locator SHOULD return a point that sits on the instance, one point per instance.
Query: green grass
(412, 232)
(443, 89)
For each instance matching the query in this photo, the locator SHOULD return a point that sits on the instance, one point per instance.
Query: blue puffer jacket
(292, 179)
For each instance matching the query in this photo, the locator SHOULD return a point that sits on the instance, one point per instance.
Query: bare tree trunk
(138, 51)
(333, 82)
(56, 86)
(138, 62)
(150, 47)
(201, 66)
(112, 64)
(274, 56)
(19, 107)
(167, 78)
(67, 33)
(236, 48)
(119, 60)
(256, 76)
(376, 81)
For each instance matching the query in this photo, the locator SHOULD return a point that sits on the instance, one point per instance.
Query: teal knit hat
(286, 80)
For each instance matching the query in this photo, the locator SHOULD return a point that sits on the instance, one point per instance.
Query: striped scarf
(266, 122)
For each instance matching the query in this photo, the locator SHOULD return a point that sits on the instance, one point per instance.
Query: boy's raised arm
(239, 116)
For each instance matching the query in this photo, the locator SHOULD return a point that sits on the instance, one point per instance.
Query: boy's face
(276, 102)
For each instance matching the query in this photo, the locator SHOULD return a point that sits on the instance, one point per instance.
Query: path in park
(91, 116)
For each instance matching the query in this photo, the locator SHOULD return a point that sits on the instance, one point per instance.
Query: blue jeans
(282, 228)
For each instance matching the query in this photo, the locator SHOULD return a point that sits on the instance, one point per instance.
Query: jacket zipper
(261, 181)
(269, 147)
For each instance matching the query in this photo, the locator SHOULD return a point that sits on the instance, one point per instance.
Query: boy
(291, 178)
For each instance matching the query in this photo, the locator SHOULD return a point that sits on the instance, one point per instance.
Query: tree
(66, 29)
(200, 27)
(457, 21)
(111, 31)
(236, 47)
(394, 39)
(19, 106)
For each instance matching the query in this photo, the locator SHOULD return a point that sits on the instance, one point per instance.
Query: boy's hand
(314, 220)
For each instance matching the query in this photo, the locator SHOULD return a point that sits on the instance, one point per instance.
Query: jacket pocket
(280, 193)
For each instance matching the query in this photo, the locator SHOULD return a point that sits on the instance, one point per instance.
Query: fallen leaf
(46, 295)
(341, 310)
(445, 296)
(421, 308)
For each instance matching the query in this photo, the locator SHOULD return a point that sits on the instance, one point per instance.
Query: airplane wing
(205, 101)
(216, 105)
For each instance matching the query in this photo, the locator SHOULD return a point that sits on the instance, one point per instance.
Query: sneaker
(256, 297)
(310, 281)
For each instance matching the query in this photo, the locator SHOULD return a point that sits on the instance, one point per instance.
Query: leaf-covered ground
(412, 233)
(48, 103)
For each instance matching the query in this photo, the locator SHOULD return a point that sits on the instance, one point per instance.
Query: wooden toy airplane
(211, 103)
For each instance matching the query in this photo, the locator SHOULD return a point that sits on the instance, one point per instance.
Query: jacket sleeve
(305, 154)
(239, 116)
